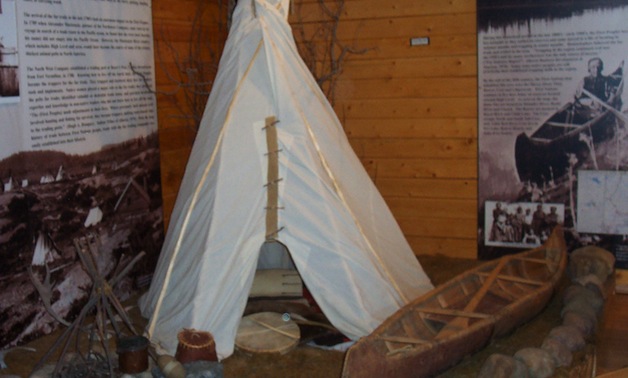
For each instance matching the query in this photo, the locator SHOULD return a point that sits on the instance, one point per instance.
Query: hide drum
(195, 346)
(267, 332)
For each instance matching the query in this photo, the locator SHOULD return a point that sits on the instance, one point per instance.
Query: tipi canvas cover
(293, 178)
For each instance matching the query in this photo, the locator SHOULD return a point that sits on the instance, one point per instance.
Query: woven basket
(195, 346)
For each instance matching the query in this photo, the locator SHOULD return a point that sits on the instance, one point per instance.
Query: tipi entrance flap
(341, 235)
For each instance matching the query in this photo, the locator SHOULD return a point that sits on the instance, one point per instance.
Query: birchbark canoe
(461, 316)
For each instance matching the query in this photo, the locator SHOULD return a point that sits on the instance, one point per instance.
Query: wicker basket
(195, 346)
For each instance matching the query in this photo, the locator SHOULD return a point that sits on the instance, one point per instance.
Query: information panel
(551, 113)
(79, 156)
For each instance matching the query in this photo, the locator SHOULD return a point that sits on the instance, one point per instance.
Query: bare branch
(194, 70)
(325, 64)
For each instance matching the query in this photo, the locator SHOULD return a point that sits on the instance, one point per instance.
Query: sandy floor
(306, 361)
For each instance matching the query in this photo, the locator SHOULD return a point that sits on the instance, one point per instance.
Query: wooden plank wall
(173, 37)
(410, 112)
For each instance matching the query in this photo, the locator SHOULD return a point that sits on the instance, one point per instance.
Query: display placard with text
(79, 156)
(552, 120)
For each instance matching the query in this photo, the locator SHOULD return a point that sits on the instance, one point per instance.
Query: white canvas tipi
(45, 250)
(271, 162)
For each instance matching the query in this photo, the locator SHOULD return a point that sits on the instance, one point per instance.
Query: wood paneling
(374, 9)
(410, 112)
(448, 246)
(430, 208)
(415, 148)
(167, 11)
(429, 66)
(173, 163)
(430, 227)
(424, 167)
(613, 333)
(444, 24)
(411, 128)
(388, 48)
(404, 188)
(176, 138)
(423, 87)
(411, 108)
(172, 33)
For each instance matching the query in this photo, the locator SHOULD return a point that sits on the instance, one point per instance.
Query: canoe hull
(460, 317)
(539, 160)
(415, 363)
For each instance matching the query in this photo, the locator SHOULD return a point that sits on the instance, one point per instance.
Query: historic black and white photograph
(52, 206)
(9, 65)
(550, 106)
(80, 182)
(521, 224)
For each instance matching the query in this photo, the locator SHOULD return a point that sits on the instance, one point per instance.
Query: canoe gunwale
(575, 130)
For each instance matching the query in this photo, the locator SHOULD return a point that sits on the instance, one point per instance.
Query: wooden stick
(404, 340)
(274, 329)
(456, 313)
(475, 301)
(514, 279)
(462, 322)
(616, 112)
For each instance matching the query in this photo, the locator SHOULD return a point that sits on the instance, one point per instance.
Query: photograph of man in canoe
(596, 89)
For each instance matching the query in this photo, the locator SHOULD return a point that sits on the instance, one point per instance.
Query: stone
(203, 369)
(591, 260)
(540, 362)
(169, 367)
(502, 366)
(144, 374)
(581, 308)
(592, 282)
(584, 324)
(44, 372)
(586, 304)
(577, 292)
(195, 369)
(562, 355)
(569, 336)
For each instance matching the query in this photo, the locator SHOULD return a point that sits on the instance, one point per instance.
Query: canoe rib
(461, 316)
(455, 313)
(515, 279)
